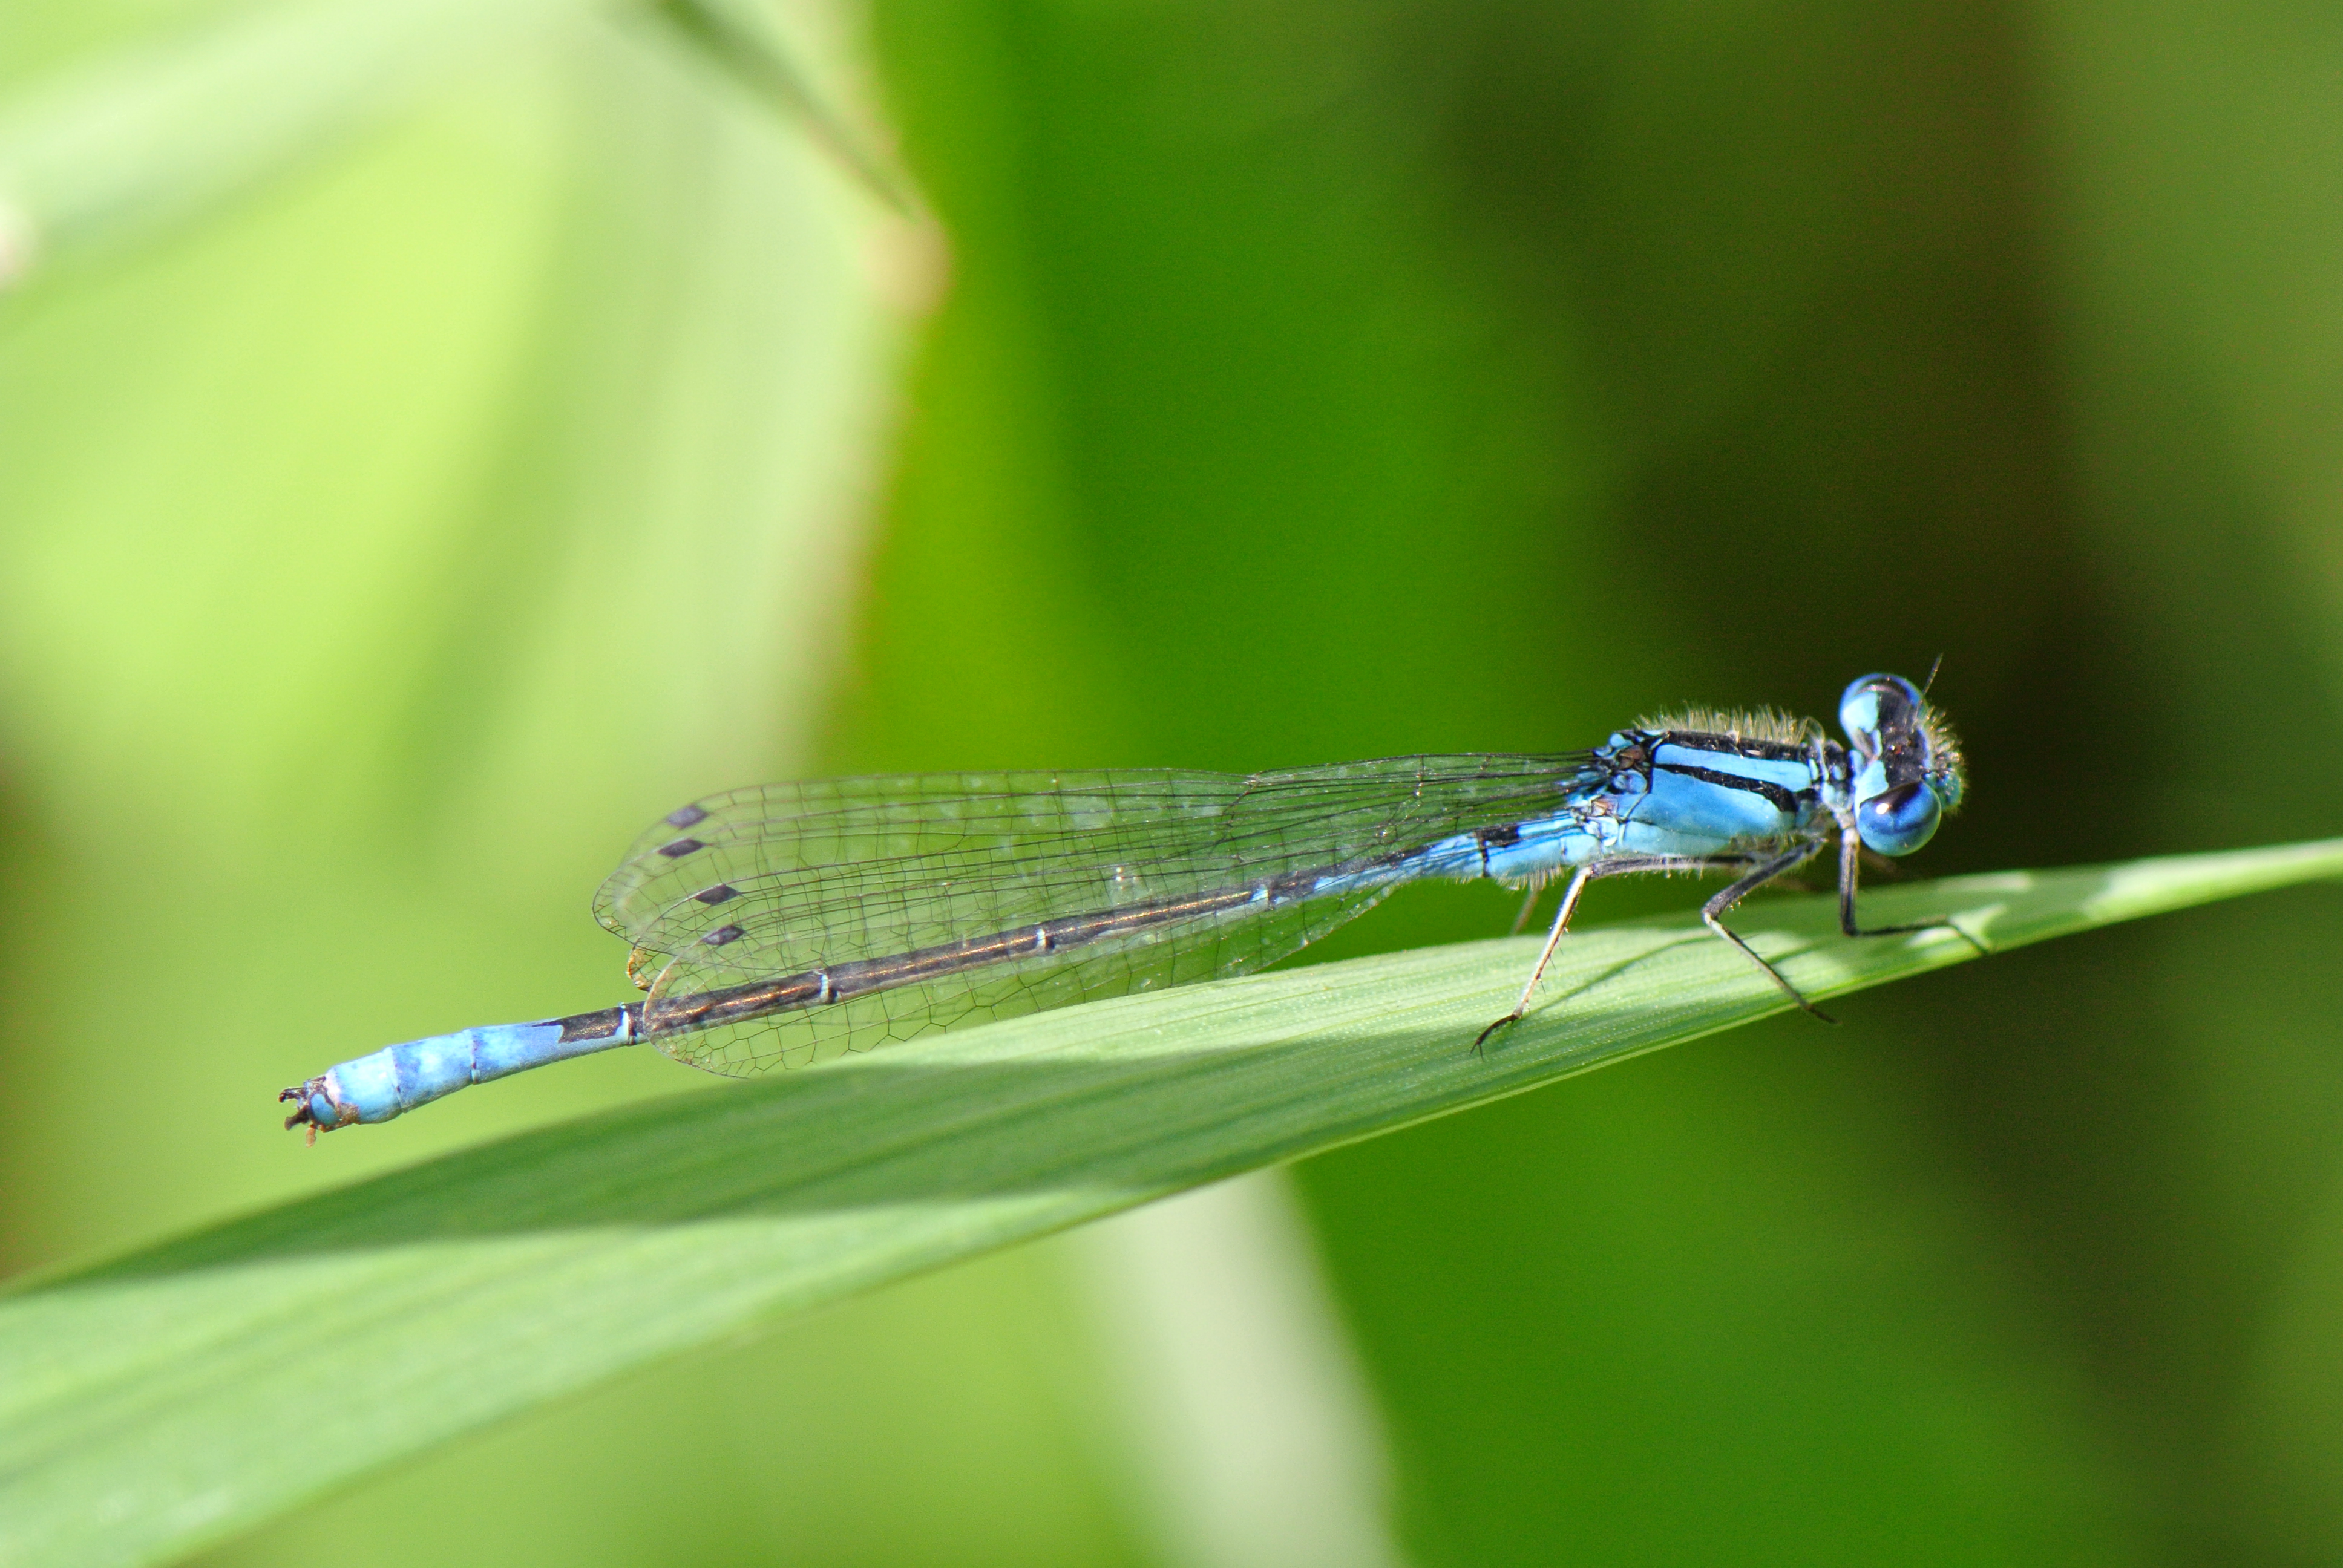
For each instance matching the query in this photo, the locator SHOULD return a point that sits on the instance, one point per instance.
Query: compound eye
(1875, 703)
(1899, 821)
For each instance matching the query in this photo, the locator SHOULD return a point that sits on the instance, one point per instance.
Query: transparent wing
(791, 880)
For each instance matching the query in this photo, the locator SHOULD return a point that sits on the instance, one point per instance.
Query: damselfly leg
(1632, 865)
(1850, 863)
(1712, 915)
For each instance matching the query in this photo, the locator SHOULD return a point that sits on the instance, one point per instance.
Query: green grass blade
(167, 1399)
(729, 37)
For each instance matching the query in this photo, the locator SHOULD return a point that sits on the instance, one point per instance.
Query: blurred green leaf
(162, 1400)
(534, 430)
(167, 126)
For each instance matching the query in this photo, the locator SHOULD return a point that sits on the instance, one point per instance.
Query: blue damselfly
(783, 924)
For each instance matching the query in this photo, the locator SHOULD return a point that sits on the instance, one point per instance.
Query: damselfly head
(1908, 773)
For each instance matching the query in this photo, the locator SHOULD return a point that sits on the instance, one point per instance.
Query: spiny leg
(1578, 881)
(1850, 863)
(1624, 866)
(1712, 914)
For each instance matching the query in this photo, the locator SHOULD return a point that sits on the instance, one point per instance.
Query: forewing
(791, 879)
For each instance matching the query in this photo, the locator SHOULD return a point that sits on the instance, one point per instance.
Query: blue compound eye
(1900, 821)
(1875, 703)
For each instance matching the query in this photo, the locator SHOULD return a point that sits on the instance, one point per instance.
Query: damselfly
(782, 925)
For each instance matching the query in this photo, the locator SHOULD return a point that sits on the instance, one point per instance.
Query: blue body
(1635, 800)
(1706, 793)
(398, 1078)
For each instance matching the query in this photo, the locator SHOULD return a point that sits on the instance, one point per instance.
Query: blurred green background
(399, 516)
